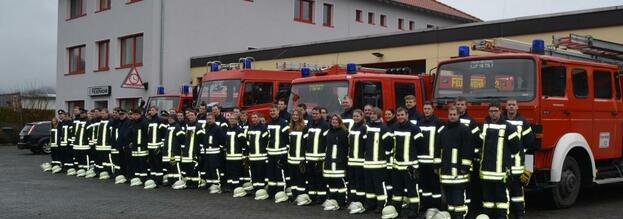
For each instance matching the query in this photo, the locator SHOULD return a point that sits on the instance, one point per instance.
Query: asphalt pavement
(27, 192)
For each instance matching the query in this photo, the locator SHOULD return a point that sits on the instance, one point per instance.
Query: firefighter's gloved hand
(280, 164)
(302, 167)
(525, 177)
(413, 172)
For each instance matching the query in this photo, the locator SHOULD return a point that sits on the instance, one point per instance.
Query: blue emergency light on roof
(538, 46)
(463, 51)
(305, 72)
(160, 90)
(246, 62)
(351, 68)
(185, 89)
(214, 66)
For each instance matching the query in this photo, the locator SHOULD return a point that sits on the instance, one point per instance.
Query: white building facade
(101, 41)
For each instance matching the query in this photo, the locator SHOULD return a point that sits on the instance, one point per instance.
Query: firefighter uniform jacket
(257, 137)
(214, 138)
(414, 115)
(468, 121)
(91, 128)
(195, 136)
(105, 137)
(408, 139)
(429, 127)
(277, 137)
(499, 141)
(64, 135)
(337, 153)
(221, 121)
(357, 142)
(526, 136)
(174, 138)
(235, 144)
(347, 118)
(80, 139)
(54, 137)
(296, 146)
(121, 135)
(155, 131)
(378, 146)
(138, 137)
(453, 154)
(315, 149)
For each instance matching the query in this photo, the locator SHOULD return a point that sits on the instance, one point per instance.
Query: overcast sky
(28, 32)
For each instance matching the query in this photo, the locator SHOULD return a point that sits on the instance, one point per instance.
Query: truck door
(606, 143)
(581, 104)
(368, 92)
(555, 117)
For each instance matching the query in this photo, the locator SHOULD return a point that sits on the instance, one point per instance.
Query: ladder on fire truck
(587, 48)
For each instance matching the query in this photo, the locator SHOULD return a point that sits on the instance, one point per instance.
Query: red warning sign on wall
(133, 80)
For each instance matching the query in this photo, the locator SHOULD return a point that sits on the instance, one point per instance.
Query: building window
(76, 9)
(411, 25)
(131, 51)
(128, 103)
(358, 14)
(76, 59)
(327, 15)
(132, 1)
(73, 104)
(430, 26)
(304, 11)
(103, 5)
(401, 23)
(370, 17)
(102, 55)
(102, 104)
(383, 21)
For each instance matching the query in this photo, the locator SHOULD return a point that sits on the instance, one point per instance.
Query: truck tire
(45, 147)
(567, 190)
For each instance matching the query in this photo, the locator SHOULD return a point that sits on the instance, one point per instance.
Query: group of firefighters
(353, 159)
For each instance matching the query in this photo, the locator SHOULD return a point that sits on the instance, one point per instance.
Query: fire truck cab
(238, 85)
(166, 101)
(327, 88)
(572, 100)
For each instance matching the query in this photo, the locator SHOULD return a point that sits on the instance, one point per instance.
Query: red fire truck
(239, 85)
(573, 100)
(327, 87)
(166, 101)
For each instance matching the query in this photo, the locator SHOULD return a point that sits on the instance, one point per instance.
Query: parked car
(36, 137)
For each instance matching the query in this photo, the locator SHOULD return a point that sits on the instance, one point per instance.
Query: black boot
(379, 207)
(413, 211)
(457, 216)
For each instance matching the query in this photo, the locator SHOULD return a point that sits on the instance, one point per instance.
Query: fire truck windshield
(163, 102)
(326, 94)
(221, 92)
(484, 79)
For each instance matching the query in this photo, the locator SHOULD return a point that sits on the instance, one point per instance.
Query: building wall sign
(99, 91)
(133, 80)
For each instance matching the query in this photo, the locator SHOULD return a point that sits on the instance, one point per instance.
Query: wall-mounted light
(378, 54)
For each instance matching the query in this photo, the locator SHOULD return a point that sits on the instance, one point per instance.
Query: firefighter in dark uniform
(431, 191)
(81, 144)
(335, 163)
(195, 136)
(138, 146)
(453, 160)
(55, 162)
(474, 191)
(156, 130)
(314, 156)
(220, 119)
(63, 129)
(519, 176)
(257, 137)
(92, 126)
(103, 145)
(347, 115)
(354, 173)
(379, 143)
(404, 174)
(277, 155)
(211, 154)
(71, 154)
(499, 142)
(296, 159)
(172, 151)
(235, 150)
(120, 148)
(410, 105)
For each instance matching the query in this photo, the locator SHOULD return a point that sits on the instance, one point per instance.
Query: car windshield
(479, 80)
(327, 94)
(221, 92)
(163, 103)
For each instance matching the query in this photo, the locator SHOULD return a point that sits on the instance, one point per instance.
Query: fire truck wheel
(567, 190)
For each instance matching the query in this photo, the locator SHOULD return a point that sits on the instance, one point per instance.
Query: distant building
(28, 101)
(101, 41)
